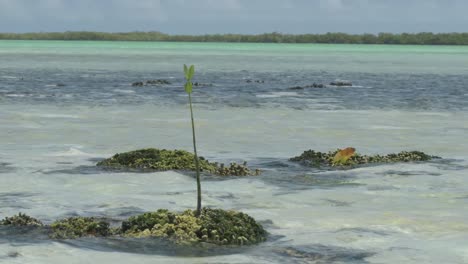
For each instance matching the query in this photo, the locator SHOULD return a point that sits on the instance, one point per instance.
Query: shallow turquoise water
(404, 97)
(168, 56)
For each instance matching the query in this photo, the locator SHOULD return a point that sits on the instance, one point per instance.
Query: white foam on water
(72, 152)
(15, 95)
(124, 91)
(66, 116)
(433, 114)
(8, 77)
(389, 128)
(277, 95)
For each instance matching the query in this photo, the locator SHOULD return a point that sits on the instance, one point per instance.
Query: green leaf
(188, 87)
(186, 72)
(191, 72)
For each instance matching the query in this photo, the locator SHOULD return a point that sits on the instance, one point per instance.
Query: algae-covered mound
(162, 223)
(214, 226)
(162, 160)
(75, 227)
(318, 159)
(235, 169)
(157, 159)
(230, 228)
(20, 220)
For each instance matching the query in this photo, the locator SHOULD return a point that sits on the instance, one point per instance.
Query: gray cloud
(236, 16)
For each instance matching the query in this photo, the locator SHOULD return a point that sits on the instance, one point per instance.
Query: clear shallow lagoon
(404, 98)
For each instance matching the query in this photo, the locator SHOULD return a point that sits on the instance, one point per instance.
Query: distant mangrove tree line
(424, 38)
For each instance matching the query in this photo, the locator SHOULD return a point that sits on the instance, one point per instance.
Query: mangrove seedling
(189, 72)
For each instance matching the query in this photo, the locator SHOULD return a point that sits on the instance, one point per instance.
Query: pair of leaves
(343, 156)
(189, 72)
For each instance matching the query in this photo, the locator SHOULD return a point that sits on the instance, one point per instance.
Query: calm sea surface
(66, 105)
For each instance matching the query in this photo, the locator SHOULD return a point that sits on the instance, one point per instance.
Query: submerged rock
(321, 254)
(75, 227)
(20, 220)
(318, 159)
(162, 160)
(341, 83)
(254, 81)
(197, 84)
(214, 226)
(314, 85)
(157, 82)
(152, 82)
(13, 254)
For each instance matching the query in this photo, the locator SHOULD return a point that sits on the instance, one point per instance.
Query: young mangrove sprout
(189, 72)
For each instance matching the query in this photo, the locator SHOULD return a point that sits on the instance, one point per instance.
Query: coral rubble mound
(20, 220)
(75, 227)
(319, 159)
(214, 226)
(162, 160)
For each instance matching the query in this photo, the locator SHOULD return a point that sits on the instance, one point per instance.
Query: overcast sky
(235, 16)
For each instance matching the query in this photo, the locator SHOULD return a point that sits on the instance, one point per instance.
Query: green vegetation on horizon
(424, 38)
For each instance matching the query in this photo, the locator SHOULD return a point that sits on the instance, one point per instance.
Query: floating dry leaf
(343, 156)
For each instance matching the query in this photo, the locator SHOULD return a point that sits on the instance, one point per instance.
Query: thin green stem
(197, 165)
